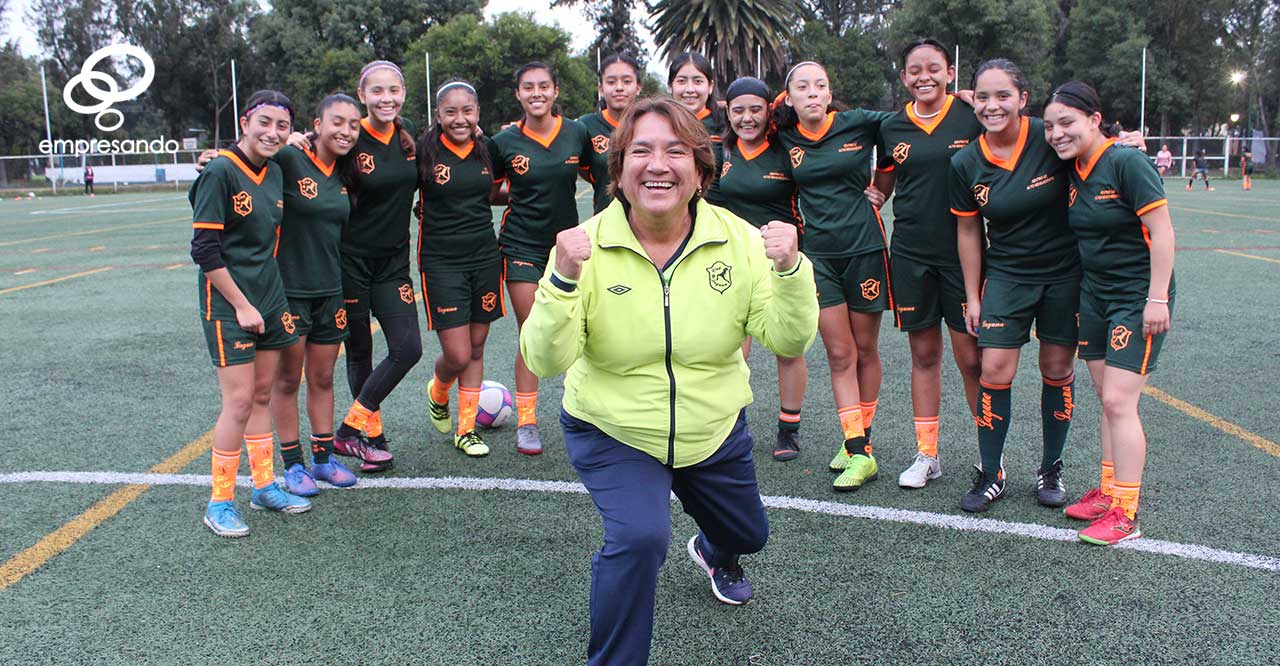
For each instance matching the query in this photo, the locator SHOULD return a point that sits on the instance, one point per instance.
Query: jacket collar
(613, 230)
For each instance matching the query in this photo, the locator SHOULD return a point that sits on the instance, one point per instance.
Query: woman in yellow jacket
(646, 306)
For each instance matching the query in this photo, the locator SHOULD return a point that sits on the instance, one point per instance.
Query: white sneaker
(923, 470)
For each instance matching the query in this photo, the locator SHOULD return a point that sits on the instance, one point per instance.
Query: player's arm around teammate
(316, 208)
(458, 256)
(646, 306)
(236, 212)
(619, 85)
(1120, 218)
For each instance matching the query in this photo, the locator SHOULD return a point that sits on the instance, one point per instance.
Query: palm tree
(726, 31)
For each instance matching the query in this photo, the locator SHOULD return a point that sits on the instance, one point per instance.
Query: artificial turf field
(453, 560)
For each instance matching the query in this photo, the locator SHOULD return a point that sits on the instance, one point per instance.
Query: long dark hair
(429, 142)
(626, 59)
(784, 115)
(1010, 69)
(703, 65)
(345, 165)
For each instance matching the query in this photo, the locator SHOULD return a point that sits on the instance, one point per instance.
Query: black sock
(321, 447)
(788, 420)
(291, 453)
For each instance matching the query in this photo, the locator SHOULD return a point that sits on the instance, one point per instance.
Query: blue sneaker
(299, 482)
(729, 584)
(223, 520)
(334, 473)
(275, 499)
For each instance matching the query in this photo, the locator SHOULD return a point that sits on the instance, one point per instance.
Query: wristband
(1156, 300)
(563, 283)
(799, 260)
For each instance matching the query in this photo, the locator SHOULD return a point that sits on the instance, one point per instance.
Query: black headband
(747, 85)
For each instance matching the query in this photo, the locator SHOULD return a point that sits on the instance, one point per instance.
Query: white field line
(71, 210)
(901, 516)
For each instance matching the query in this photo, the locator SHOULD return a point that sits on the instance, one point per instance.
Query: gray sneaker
(528, 441)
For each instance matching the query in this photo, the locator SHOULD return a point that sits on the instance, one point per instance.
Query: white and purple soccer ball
(496, 405)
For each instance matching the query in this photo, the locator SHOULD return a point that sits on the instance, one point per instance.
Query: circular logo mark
(88, 78)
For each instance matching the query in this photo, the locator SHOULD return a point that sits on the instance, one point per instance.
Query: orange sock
(225, 466)
(373, 426)
(851, 424)
(357, 416)
(868, 412)
(1108, 478)
(1126, 495)
(927, 435)
(527, 408)
(468, 403)
(439, 390)
(260, 459)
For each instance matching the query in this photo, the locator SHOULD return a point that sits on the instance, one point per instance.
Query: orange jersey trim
(1147, 209)
(964, 213)
(216, 226)
(257, 178)
(1093, 160)
(888, 169)
(385, 138)
(222, 353)
(613, 122)
(543, 140)
(822, 131)
(461, 151)
(927, 126)
(1146, 356)
(426, 305)
(1009, 164)
(326, 169)
(703, 113)
(751, 155)
(208, 298)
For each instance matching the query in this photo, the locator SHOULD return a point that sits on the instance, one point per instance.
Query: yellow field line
(1257, 441)
(1222, 214)
(42, 283)
(1248, 256)
(101, 230)
(58, 541)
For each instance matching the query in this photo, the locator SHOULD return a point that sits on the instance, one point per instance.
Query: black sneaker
(1049, 488)
(788, 445)
(985, 491)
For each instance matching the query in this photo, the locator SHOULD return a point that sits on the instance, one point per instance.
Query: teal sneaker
(437, 412)
(223, 520)
(860, 469)
(274, 499)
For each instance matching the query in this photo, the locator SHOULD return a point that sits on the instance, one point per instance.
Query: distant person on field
(1246, 168)
(1164, 160)
(88, 180)
(1202, 171)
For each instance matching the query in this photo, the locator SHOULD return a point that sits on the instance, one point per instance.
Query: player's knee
(841, 358)
(925, 356)
(408, 351)
(288, 385)
(320, 379)
(868, 349)
(1117, 403)
(237, 404)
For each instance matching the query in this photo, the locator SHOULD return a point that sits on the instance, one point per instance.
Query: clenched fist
(780, 245)
(573, 247)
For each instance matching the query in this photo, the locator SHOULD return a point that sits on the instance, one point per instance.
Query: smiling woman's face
(659, 175)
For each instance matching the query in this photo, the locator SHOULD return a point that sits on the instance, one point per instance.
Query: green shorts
(522, 270)
(923, 295)
(860, 282)
(1112, 330)
(455, 298)
(377, 284)
(322, 319)
(231, 345)
(1009, 307)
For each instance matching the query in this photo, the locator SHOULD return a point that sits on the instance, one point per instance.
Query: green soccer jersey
(600, 126)
(543, 176)
(315, 210)
(457, 225)
(387, 178)
(832, 168)
(1108, 196)
(712, 123)
(757, 187)
(918, 151)
(1024, 200)
(246, 206)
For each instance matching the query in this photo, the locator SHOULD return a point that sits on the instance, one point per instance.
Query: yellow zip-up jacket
(654, 356)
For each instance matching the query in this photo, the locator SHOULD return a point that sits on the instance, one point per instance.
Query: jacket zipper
(671, 375)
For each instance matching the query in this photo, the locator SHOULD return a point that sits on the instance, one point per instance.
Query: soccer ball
(496, 405)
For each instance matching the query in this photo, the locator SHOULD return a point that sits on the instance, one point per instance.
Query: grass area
(109, 373)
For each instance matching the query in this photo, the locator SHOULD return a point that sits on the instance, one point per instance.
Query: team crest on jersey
(443, 173)
(870, 289)
(287, 320)
(489, 301)
(406, 293)
(308, 188)
(720, 275)
(724, 169)
(520, 164)
(901, 151)
(242, 203)
(797, 156)
(1120, 337)
(600, 143)
(340, 319)
(1071, 195)
(981, 193)
(364, 162)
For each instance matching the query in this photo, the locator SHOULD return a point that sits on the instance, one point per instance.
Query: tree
(726, 31)
(1104, 48)
(22, 123)
(615, 28)
(487, 54)
(852, 62)
(1250, 26)
(69, 31)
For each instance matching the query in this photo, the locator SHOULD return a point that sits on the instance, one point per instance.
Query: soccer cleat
(985, 490)
(1112, 528)
(923, 469)
(1091, 507)
(1188, 188)
(729, 584)
(298, 480)
(528, 441)
(1049, 488)
(847, 450)
(378, 443)
(860, 469)
(787, 446)
(439, 413)
(471, 444)
(223, 520)
(335, 473)
(372, 459)
(272, 498)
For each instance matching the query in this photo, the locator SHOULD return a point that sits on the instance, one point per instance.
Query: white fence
(109, 170)
(1222, 152)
